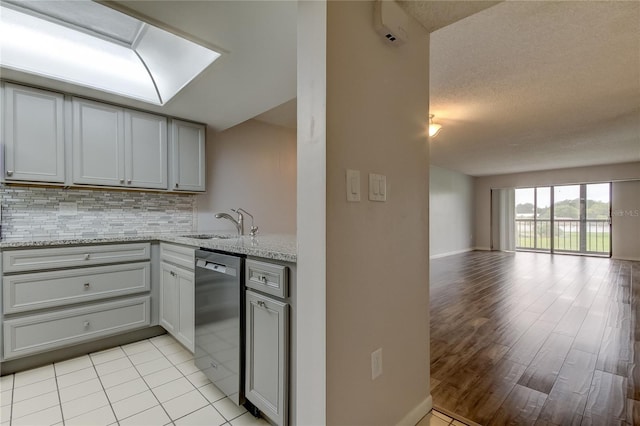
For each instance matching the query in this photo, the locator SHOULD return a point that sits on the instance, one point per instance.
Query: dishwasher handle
(217, 267)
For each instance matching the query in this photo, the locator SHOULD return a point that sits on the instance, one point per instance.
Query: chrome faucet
(239, 222)
(254, 229)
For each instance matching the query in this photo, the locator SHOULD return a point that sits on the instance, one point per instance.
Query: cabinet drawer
(64, 257)
(267, 277)
(178, 255)
(39, 333)
(25, 292)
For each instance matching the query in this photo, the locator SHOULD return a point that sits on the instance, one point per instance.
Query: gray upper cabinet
(98, 143)
(187, 166)
(117, 147)
(33, 135)
(145, 150)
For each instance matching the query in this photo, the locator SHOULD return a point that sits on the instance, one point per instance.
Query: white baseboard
(450, 253)
(482, 248)
(413, 417)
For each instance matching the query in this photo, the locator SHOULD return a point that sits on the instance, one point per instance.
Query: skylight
(88, 44)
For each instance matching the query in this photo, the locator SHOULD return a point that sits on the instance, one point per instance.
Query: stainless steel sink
(207, 236)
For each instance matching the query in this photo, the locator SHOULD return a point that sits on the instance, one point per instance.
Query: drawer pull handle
(262, 304)
(177, 185)
(214, 365)
(87, 256)
(87, 285)
(87, 324)
(9, 172)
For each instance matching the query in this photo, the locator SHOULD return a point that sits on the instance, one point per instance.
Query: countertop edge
(275, 247)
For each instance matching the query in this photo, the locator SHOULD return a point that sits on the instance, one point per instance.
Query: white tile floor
(152, 382)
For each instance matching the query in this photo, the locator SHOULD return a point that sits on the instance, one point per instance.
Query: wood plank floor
(538, 339)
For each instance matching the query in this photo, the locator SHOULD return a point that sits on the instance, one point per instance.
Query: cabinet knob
(173, 274)
(87, 285)
(263, 279)
(87, 256)
(176, 184)
(129, 181)
(261, 303)
(10, 173)
(86, 324)
(121, 180)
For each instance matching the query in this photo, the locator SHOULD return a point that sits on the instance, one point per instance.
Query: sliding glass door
(567, 218)
(533, 220)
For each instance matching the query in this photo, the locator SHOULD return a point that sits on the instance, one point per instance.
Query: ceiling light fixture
(91, 45)
(434, 128)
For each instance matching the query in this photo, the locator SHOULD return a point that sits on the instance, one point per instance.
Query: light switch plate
(353, 185)
(377, 187)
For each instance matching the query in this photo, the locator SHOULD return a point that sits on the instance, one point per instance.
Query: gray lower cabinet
(267, 348)
(39, 333)
(177, 293)
(56, 297)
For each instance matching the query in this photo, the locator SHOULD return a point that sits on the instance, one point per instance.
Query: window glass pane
(543, 217)
(598, 201)
(524, 203)
(566, 206)
(598, 238)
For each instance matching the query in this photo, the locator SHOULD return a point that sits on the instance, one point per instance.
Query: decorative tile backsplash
(29, 212)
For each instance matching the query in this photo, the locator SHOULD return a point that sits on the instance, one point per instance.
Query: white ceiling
(256, 72)
(526, 86)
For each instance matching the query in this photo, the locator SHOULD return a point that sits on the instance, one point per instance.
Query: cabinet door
(186, 315)
(169, 298)
(266, 357)
(98, 143)
(34, 135)
(187, 156)
(145, 150)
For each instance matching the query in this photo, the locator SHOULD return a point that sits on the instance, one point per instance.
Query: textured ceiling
(526, 86)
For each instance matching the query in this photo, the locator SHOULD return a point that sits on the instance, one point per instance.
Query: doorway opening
(564, 219)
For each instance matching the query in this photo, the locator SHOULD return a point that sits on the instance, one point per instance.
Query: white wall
(595, 174)
(377, 254)
(311, 342)
(253, 166)
(451, 208)
(625, 220)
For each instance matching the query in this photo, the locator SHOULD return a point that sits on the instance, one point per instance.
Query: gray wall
(377, 282)
(253, 166)
(625, 235)
(451, 212)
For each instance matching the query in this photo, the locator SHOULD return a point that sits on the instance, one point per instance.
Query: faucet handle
(254, 231)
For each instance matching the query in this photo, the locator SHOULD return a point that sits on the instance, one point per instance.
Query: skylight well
(86, 43)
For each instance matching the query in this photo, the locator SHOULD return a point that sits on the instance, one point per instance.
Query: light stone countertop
(269, 246)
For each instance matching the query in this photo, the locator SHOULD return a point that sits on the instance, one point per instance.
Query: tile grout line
(196, 388)
(143, 379)
(55, 377)
(103, 388)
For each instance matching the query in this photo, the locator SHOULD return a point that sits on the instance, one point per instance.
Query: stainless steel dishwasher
(219, 338)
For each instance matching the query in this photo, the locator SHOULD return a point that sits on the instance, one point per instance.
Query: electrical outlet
(376, 363)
